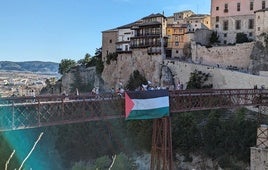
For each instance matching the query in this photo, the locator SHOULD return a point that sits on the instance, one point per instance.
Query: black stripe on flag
(147, 94)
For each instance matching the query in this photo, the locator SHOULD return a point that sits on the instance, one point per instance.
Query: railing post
(13, 115)
(39, 113)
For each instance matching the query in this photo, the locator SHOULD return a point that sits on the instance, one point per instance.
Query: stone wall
(223, 56)
(151, 67)
(220, 78)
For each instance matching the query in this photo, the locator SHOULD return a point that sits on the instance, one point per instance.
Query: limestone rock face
(259, 58)
(77, 76)
(167, 78)
(120, 70)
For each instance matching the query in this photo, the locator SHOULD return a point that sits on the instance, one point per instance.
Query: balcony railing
(120, 50)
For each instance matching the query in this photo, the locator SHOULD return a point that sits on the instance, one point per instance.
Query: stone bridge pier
(259, 153)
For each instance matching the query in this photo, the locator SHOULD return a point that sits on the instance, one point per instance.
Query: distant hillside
(31, 66)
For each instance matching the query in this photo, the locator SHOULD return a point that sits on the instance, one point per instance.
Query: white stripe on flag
(153, 103)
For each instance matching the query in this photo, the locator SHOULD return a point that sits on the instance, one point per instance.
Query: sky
(52, 30)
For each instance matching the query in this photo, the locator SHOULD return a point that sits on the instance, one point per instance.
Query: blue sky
(51, 30)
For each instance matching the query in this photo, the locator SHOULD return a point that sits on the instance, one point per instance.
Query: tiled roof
(153, 16)
(150, 23)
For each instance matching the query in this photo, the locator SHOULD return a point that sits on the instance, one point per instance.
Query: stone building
(149, 34)
(109, 39)
(177, 38)
(229, 17)
(261, 18)
(198, 21)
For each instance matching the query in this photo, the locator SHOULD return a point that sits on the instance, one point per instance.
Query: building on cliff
(229, 17)
(154, 32)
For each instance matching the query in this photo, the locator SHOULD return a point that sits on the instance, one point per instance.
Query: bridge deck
(39, 111)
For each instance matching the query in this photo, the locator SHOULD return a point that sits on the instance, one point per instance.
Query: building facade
(230, 17)
(150, 34)
(261, 18)
(109, 38)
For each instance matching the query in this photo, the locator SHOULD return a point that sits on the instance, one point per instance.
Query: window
(216, 26)
(251, 5)
(225, 8)
(224, 42)
(250, 34)
(238, 24)
(225, 35)
(177, 43)
(217, 18)
(238, 6)
(111, 41)
(259, 28)
(217, 8)
(126, 47)
(250, 23)
(263, 5)
(225, 25)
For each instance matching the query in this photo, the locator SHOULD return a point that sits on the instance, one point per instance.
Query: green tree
(65, 65)
(85, 61)
(135, 80)
(111, 57)
(102, 163)
(97, 61)
(198, 80)
(214, 38)
(186, 136)
(241, 37)
(122, 162)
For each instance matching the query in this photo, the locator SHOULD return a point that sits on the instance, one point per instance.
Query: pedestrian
(77, 92)
(179, 86)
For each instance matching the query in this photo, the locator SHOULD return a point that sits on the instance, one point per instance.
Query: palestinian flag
(150, 104)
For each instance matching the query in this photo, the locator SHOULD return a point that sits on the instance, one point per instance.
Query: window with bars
(225, 8)
(225, 25)
(238, 24)
(251, 5)
(250, 23)
(217, 18)
(238, 6)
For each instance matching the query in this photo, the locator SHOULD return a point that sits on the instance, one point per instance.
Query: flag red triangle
(129, 104)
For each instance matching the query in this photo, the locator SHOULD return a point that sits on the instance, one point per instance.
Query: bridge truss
(31, 112)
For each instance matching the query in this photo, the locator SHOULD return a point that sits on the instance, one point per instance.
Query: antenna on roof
(163, 12)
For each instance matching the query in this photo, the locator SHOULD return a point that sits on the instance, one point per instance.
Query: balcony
(120, 50)
(154, 50)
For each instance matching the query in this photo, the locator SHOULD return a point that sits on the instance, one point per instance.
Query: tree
(214, 38)
(65, 65)
(241, 37)
(198, 80)
(135, 80)
(85, 61)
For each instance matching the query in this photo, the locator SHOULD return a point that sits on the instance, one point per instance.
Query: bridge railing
(191, 100)
(47, 110)
(30, 112)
